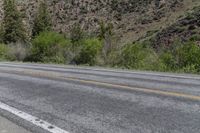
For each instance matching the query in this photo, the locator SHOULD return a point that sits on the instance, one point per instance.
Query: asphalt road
(96, 100)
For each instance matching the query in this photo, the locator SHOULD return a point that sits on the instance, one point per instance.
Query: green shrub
(137, 56)
(189, 56)
(189, 69)
(3, 52)
(195, 37)
(184, 58)
(168, 61)
(17, 51)
(49, 47)
(89, 51)
(13, 52)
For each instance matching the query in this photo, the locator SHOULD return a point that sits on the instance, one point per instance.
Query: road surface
(69, 99)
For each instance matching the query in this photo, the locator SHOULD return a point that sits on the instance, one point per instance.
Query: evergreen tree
(76, 34)
(42, 20)
(12, 27)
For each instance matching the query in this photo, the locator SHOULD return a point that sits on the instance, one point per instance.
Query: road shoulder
(7, 126)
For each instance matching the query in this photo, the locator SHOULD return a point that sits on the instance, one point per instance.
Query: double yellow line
(59, 76)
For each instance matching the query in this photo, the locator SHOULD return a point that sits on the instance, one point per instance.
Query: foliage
(42, 21)
(49, 47)
(105, 30)
(76, 34)
(3, 52)
(17, 51)
(195, 37)
(106, 34)
(13, 52)
(184, 57)
(137, 56)
(12, 28)
(168, 61)
(189, 56)
(89, 51)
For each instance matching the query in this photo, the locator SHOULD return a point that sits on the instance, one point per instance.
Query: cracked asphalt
(80, 107)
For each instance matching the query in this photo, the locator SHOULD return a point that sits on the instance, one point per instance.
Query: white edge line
(32, 119)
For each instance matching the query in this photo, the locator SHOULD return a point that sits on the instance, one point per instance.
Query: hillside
(184, 29)
(132, 19)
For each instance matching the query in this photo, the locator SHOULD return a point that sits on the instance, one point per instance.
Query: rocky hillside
(184, 29)
(132, 19)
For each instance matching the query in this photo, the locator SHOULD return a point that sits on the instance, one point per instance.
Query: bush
(195, 37)
(184, 57)
(13, 52)
(189, 69)
(168, 61)
(3, 52)
(137, 56)
(189, 56)
(49, 47)
(17, 51)
(89, 52)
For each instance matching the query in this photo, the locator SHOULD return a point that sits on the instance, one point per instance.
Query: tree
(12, 27)
(105, 30)
(42, 22)
(106, 34)
(76, 34)
(77, 37)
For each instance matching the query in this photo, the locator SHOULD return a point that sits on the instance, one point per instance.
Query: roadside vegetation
(80, 48)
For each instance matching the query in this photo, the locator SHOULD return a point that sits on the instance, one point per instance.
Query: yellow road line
(55, 75)
(166, 93)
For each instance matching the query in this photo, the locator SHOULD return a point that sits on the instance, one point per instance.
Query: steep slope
(185, 29)
(132, 19)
